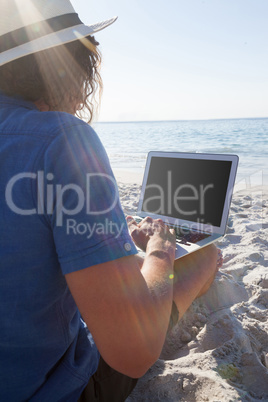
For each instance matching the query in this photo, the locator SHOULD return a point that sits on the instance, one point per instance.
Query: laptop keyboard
(184, 235)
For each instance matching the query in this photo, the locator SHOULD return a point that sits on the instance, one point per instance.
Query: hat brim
(54, 39)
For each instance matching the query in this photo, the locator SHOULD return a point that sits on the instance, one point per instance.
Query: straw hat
(28, 26)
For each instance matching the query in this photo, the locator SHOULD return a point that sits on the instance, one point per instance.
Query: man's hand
(139, 236)
(152, 233)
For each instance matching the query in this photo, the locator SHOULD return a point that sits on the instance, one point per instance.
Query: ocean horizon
(128, 143)
(178, 120)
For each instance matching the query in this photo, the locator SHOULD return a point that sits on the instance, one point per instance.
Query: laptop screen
(187, 189)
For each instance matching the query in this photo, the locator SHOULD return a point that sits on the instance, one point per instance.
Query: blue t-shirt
(59, 212)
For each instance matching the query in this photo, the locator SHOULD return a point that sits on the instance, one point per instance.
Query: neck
(41, 105)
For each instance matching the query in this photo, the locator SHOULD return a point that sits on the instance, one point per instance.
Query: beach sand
(219, 350)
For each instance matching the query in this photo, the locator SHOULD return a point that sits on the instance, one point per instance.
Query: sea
(128, 143)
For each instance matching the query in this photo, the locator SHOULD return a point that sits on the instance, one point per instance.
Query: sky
(181, 59)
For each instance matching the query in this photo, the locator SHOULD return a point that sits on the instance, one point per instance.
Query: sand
(219, 350)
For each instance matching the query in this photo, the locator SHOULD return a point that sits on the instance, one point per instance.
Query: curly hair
(67, 78)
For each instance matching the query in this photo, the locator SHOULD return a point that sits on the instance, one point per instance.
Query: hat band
(37, 30)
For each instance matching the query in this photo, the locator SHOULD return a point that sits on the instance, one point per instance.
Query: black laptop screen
(188, 189)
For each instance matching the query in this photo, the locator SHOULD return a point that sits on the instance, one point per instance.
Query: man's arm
(126, 309)
(193, 273)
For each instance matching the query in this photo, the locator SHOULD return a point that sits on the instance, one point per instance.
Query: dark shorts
(107, 385)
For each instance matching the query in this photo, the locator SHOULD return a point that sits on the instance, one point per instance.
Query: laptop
(190, 192)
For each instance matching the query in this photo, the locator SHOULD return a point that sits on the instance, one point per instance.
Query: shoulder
(55, 124)
(71, 136)
(22, 117)
(73, 149)
(58, 132)
(66, 128)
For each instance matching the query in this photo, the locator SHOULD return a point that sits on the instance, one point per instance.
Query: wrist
(167, 256)
(162, 250)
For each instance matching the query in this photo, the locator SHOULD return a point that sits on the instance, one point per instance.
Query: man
(55, 176)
